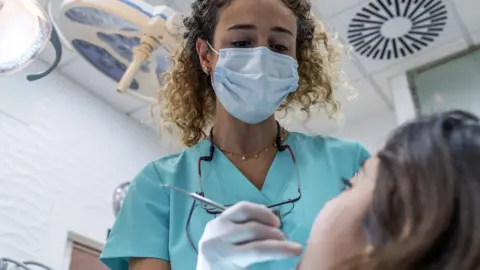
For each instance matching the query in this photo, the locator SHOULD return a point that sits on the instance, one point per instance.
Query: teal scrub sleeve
(141, 229)
(361, 156)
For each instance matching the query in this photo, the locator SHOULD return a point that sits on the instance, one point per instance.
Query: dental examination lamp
(128, 41)
(25, 30)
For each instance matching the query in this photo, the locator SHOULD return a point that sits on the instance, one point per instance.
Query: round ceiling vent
(393, 29)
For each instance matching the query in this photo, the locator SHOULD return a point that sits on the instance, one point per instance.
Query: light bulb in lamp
(25, 30)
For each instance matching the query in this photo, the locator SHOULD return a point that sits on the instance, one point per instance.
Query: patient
(415, 205)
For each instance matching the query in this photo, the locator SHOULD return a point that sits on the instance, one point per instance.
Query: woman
(416, 205)
(413, 206)
(241, 61)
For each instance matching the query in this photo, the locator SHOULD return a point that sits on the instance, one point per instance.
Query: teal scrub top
(151, 222)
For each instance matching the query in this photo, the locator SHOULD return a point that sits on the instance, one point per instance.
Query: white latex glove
(243, 235)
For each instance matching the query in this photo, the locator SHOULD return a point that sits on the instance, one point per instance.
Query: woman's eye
(241, 44)
(347, 184)
(279, 48)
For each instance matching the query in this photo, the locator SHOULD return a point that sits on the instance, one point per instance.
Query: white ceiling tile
(367, 104)
(322, 8)
(100, 85)
(349, 66)
(476, 37)
(318, 123)
(382, 78)
(328, 8)
(468, 11)
(143, 115)
(172, 144)
(157, 2)
(184, 6)
(341, 22)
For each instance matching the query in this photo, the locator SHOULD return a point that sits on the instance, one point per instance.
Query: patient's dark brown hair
(426, 205)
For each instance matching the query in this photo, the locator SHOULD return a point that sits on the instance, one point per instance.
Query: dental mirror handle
(197, 197)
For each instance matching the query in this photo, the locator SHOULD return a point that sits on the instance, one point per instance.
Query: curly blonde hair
(187, 100)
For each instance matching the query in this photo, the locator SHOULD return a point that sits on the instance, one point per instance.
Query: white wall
(62, 153)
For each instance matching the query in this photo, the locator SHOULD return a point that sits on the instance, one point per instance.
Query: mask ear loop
(211, 47)
(206, 69)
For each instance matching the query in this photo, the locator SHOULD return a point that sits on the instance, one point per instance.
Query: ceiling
(388, 37)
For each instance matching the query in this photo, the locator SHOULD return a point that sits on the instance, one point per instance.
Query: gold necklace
(255, 155)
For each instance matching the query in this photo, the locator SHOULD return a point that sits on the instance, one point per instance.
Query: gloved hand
(243, 235)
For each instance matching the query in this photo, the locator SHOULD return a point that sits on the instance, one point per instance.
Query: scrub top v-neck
(152, 221)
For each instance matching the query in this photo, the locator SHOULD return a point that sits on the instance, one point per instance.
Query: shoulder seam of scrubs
(161, 180)
(358, 151)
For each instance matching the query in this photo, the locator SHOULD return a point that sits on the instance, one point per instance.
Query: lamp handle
(57, 45)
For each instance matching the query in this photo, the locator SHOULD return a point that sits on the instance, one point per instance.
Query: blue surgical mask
(251, 83)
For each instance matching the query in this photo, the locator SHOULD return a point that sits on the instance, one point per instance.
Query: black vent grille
(393, 29)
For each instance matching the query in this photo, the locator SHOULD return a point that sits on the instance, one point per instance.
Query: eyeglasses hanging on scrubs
(215, 210)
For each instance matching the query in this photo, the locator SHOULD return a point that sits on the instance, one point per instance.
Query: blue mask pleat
(252, 83)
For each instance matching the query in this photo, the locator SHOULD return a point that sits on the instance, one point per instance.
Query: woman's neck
(237, 137)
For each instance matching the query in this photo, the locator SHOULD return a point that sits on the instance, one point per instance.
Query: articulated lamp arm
(153, 37)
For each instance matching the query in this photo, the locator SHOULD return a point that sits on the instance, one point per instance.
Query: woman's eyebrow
(282, 30)
(242, 27)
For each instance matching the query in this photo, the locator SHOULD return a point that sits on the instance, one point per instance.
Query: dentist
(241, 61)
